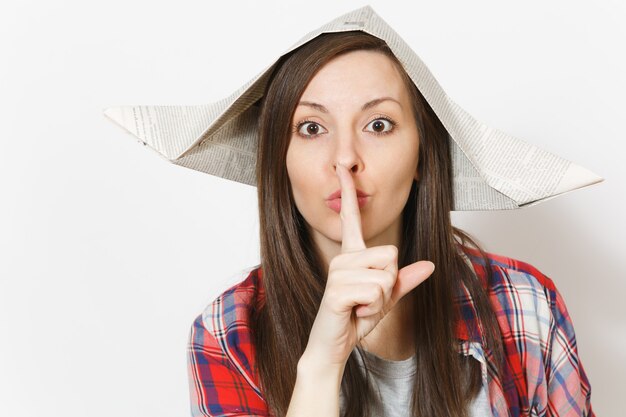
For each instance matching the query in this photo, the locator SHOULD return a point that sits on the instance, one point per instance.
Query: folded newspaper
(492, 169)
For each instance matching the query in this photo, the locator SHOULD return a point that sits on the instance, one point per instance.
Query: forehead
(356, 76)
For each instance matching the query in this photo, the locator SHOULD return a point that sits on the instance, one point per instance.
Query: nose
(347, 152)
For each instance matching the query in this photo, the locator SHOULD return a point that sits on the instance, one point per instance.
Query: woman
(347, 286)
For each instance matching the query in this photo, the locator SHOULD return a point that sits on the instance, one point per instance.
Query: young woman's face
(334, 124)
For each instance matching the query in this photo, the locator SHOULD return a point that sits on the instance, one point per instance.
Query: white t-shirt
(393, 382)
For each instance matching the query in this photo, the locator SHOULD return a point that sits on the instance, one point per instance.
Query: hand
(363, 285)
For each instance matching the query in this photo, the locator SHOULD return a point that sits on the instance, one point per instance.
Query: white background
(108, 251)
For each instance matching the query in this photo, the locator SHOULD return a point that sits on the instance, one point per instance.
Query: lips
(335, 203)
(337, 194)
(334, 200)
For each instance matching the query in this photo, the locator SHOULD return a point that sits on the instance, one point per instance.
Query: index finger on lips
(350, 214)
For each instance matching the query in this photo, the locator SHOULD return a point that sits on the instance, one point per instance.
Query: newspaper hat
(492, 170)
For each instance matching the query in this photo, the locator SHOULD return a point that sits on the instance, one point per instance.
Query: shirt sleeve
(216, 387)
(568, 388)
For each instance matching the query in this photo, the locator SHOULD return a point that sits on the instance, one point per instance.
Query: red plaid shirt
(543, 375)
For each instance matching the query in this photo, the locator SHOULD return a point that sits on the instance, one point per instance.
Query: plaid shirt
(542, 375)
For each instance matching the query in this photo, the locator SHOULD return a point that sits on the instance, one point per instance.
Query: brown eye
(311, 129)
(379, 125)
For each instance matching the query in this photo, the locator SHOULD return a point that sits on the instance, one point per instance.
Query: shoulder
(524, 299)
(221, 365)
(516, 288)
(538, 337)
(230, 311)
(225, 321)
(507, 269)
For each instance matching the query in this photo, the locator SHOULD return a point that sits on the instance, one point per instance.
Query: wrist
(312, 367)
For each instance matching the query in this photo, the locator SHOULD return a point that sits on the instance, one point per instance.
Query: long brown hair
(293, 275)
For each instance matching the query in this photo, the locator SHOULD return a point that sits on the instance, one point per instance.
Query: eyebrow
(366, 106)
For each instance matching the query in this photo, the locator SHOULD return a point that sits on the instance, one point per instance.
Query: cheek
(396, 176)
(396, 194)
(301, 178)
(398, 169)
